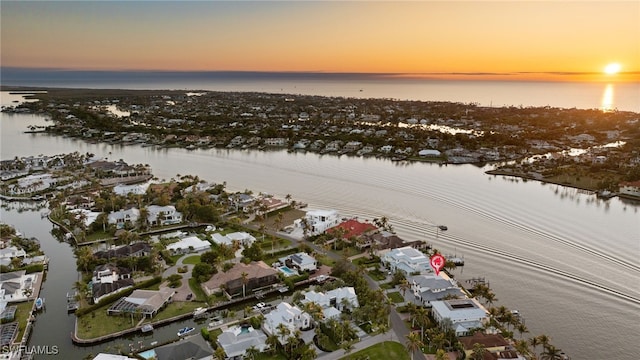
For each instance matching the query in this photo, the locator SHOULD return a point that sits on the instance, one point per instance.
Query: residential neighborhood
(304, 282)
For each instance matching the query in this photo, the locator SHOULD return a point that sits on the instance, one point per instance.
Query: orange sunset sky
(535, 39)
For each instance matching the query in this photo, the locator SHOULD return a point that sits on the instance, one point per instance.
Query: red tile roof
(353, 228)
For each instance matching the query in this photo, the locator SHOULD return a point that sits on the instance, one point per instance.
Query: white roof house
(16, 286)
(119, 218)
(319, 220)
(336, 298)
(429, 152)
(408, 260)
(290, 316)
(236, 340)
(136, 189)
(428, 288)
(189, 244)
(302, 261)
(465, 314)
(163, 215)
(245, 238)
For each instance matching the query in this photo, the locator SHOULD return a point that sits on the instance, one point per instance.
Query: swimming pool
(287, 271)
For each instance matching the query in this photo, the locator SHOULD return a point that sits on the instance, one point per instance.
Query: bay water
(565, 259)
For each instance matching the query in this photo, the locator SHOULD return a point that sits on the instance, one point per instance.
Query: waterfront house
(147, 303)
(191, 348)
(108, 279)
(17, 286)
(258, 275)
(135, 189)
(163, 215)
(318, 221)
(465, 314)
(385, 240)
(406, 259)
(353, 228)
(285, 314)
(242, 201)
(11, 252)
(123, 217)
(300, 261)
(237, 339)
(493, 343)
(428, 288)
(630, 188)
(134, 250)
(188, 245)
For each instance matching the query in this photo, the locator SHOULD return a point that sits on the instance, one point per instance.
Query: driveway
(184, 290)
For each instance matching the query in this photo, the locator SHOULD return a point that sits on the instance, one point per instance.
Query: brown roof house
(258, 275)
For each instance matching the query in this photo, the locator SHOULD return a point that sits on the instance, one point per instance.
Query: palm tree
(404, 286)
(544, 340)
(244, 282)
(534, 341)
(273, 342)
(522, 346)
(283, 331)
(441, 355)
(551, 353)
(522, 328)
(251, 353)
(413, 343)
(422, 315)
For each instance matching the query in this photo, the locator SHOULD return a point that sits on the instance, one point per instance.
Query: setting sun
(612, 68)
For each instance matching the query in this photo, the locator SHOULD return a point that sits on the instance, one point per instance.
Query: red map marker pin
(437, 263)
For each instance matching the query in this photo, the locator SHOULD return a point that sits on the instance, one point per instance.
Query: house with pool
(298, 262)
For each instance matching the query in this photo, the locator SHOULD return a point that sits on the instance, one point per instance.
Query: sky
(532, 39)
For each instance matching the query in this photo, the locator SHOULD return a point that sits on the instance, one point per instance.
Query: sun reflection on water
(607, 98)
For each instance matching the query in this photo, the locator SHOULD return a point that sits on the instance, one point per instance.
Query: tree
(441, 355)
(404, 286)
(551, 353)
(244, 283)
(251, 353)
(413, 343)
(478, 352)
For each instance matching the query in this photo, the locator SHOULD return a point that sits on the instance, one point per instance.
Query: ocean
(606, 96)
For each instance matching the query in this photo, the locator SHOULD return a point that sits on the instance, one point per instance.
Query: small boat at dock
(185, 330)
(146, 328)
(39, 303)
(199, 312)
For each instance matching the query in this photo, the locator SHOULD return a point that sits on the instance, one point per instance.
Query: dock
(72, 303)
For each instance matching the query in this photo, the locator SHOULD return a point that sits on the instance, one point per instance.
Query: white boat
(147, 328)
(199, 312)
(185, 330)
(39, 303)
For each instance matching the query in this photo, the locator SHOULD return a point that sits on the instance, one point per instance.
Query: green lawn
(192, 260)
(197, 290)
(377, 275)
(178, 308)
(98, 323)
(383, 351)
(395, 297)
(23, 311)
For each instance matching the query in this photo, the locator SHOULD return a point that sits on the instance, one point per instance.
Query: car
(189, 297)
(321, 278)
(261, 305)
